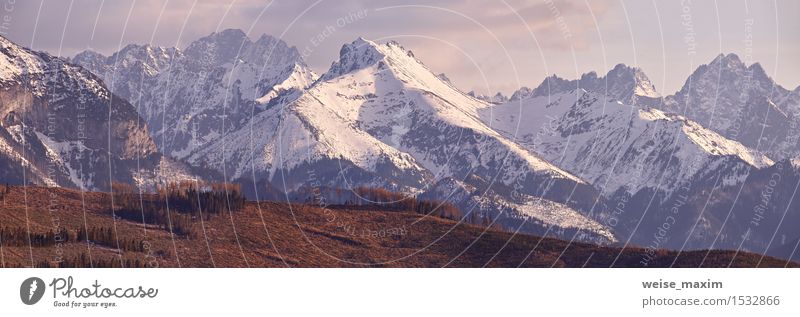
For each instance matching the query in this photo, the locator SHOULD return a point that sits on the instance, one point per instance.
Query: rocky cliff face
(741, 103)
(61, 126)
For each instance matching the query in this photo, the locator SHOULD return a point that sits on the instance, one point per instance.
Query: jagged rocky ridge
(192, 97)
(741, 103)
(622, 83)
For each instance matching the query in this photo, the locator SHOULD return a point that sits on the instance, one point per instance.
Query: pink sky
(486, 46)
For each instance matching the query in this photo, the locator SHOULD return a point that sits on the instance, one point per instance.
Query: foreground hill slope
(269, 234)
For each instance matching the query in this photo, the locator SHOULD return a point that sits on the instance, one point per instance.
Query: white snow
(57, 151)
(361, 112)
(555, 214)
(612, 145)
(202, 85)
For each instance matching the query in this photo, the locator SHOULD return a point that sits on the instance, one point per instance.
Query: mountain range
(605, 159)
(61, 126)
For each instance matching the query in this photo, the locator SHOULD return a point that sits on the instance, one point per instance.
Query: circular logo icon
(31, 290)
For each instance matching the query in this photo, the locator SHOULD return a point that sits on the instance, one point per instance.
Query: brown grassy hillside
(71, 228)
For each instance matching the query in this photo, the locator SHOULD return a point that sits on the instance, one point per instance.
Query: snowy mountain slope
(407, 99)
(519, 212)
(62, 127)
(379, 117)
(190, 97)
(741, 103)
(615, 146)
(376, 95)
(18, 168)
(286, 139)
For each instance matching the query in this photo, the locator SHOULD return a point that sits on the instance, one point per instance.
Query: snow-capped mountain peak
(622, 83)
(608, 143)
(16, 61)
(221, 47)
(362, 53)
(621, 78)
(522, 92)
(444, 78)
(233, 45)
(498, 98)
(740, 102)
(730, 60)
(211, 87)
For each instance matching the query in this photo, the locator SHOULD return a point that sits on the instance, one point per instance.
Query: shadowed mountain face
(741, 103)
(61, 126)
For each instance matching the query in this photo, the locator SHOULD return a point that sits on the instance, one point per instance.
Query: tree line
(5, 193)
(197, 197)
(108, 237)
(105, 236)
(175, 206)
(20, 236)
(383, 199)
(83, 261)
